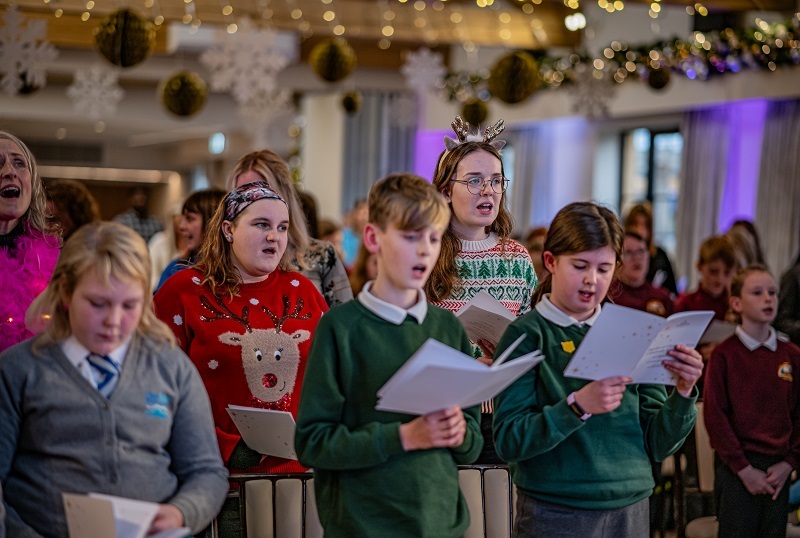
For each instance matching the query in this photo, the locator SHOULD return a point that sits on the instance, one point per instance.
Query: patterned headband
(242, 196)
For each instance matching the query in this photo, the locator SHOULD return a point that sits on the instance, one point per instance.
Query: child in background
(380, 473)
(752, 413)
(580, 451)
(102, 400)
(364, 270)
(478, 253)
(715, 265)
(631, 288)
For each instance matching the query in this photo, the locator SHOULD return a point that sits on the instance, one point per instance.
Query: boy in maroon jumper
(716, 266)
(752, 413)
(631, 288)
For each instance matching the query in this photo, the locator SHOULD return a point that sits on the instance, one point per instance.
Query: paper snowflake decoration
(592, 91)
(403, 110)
(246, 63)
(24, 52)
(258, 113)
(423, 69)
(95, 91)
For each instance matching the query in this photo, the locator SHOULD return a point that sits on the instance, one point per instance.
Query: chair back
(705, 454)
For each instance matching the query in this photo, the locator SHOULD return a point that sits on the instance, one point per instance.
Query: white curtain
(778, 206)
(705, 158)
(376, 143)
(530, 188)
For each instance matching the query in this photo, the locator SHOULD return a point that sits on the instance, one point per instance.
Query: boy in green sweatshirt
(381, 473)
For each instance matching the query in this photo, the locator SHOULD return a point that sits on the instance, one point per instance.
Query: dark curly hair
(73, 199)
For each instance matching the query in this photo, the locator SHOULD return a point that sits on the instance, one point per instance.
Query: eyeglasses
(477, 184)
(634, 254)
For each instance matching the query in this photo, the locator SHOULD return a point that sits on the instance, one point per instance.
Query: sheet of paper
(96, 514)
(484, 317)
(265, 430)
(439, 377)
(628, 342)
(717, 332)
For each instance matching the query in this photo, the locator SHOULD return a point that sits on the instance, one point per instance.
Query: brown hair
(580, 227)
(444, 277)
(358, 274)
(275, 171)
(204, 203)
(644, 210)
(35, 217)
(408, 202)
(215, 257)
(113, 251)
(737, 282)
(73, 198)
(717, 247)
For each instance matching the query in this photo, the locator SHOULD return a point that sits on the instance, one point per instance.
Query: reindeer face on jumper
(270, 360)
(270, 357)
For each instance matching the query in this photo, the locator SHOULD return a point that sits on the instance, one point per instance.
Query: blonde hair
(444, 277)
(35, 217)
(215, 258)
(408, 202)
(111, 250)
(276, 173)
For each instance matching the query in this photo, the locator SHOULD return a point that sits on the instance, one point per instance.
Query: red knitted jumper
(250, 350)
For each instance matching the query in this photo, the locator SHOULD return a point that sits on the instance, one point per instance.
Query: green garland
(700, 57)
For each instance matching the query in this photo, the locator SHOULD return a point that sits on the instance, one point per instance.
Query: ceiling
(505, 24)
(529, 24)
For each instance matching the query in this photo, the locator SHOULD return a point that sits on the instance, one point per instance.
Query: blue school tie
(105, 372)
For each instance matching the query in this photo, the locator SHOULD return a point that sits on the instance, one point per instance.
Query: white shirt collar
(393, 313)
(552, 313)
(771, 343)
(77, 352)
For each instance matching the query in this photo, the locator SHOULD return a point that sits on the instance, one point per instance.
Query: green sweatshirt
(365, 483)
(555, 457)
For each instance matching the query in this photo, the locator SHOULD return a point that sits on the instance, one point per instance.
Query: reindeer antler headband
(468, 133)
(242, 196)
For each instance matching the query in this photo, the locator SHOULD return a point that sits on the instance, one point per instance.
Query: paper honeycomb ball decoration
(124, 38)
(658, 78)
(474, 111)
(332, 59)
(351, 102)
(184, 93)
(514, 77)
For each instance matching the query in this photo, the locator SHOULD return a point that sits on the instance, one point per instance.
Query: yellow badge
(784, 371)
(568, 346)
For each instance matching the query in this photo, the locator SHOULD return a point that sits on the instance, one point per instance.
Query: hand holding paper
(439, 377)
(93, 515)
(628, 342)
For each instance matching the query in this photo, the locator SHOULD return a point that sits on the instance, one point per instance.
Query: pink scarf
(22, 278)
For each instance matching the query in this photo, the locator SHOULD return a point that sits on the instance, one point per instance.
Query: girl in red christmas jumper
(244, 320)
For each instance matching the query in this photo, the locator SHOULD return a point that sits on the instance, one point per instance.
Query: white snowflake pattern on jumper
(196, 280)
(295, 282)
(213, 364)
(177, 320)
(24, 52)
(254, 301)
(95, 91)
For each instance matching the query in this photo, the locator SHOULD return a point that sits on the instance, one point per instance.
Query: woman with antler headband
(244, 318)
(478, 253)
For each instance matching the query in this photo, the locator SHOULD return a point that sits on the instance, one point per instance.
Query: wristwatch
(577, 409)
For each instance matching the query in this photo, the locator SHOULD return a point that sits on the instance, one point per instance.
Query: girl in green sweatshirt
(580, 451)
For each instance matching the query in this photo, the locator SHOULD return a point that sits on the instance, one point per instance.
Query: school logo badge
(568, 346)
(785, 371)
(654, 306)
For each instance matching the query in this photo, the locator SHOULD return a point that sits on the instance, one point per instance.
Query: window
(651, 166)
